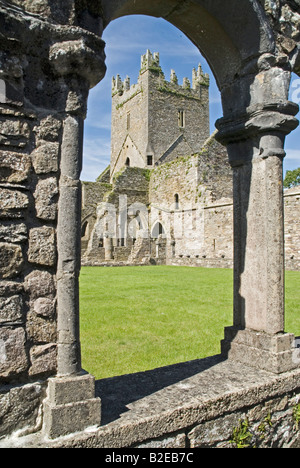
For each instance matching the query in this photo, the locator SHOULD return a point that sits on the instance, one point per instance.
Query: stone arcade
(51, 55)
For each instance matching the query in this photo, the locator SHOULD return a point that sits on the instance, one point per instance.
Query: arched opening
(291, 166)
(84, 229)
(238, 50)
(157, 230)
(160, 246)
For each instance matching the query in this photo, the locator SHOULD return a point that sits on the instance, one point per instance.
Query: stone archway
(51, 57)
(254, 83)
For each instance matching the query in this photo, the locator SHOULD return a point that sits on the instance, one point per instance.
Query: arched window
(157, 230)
(127, 163)
(84, 229)
(176, 201)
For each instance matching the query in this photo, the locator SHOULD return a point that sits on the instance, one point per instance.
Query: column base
(71, 406)
(272, 353)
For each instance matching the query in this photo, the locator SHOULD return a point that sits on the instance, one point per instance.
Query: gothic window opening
(176, 200)
(127, 163)
(158, 230)
(84, 229)
(149, 160)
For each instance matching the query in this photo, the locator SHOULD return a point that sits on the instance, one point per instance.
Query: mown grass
(139, 318)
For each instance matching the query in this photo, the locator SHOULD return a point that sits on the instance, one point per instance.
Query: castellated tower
(156, 121)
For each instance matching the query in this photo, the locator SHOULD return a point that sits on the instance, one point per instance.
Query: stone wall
(28, 196)
(92, 194)
(38, 106)
(292, 228)
(191, 197)
(184, 407)
(114, 217)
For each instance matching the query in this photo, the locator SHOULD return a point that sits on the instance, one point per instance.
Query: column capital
(82, 57)
(258, 131)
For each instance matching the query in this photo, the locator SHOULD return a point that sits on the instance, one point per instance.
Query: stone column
(108, 246)
(257, 336)
(68, 236)
(71, 404)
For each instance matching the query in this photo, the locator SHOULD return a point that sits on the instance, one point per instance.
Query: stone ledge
(151, 405)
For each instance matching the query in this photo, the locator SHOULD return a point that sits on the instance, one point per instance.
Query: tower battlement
(150, 62)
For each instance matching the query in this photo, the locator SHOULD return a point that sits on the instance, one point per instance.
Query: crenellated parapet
(150, 62)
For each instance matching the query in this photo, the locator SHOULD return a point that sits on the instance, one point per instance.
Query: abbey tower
(156, 121)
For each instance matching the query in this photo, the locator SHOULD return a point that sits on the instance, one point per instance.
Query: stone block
(273, 353)
(14, 133)
(71, 389)
(49, 129)
(45, 307)
(177, 441)
(11, 288)
(45, 158)
(42, 246)
(13, 357)
(11, 309)
(40, 284)
(43, 359)
(45, 199)
(11, 260)
(13, 232)
(71, 406)
(14, 167)
(74, 417)
(39, 329)
(13, 199)
(213, 432)
(20, 408)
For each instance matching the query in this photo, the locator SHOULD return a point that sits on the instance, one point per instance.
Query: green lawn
(140, 318)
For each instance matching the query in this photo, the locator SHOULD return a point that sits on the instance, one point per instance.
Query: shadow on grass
(118, 392)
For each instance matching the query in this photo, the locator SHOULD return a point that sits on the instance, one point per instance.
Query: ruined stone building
(166, 197)
(145, 211)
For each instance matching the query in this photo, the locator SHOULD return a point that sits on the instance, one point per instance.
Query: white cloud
(292, 160)
(293, 154)
(96, 158)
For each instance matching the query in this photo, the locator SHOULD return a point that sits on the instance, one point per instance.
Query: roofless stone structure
(51, 54)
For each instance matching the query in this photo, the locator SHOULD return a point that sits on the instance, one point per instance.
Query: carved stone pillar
(108, 246)
(255, 145)
(71, 404)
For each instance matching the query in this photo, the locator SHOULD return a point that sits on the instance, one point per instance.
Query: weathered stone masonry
(51, 54)
(47, 76)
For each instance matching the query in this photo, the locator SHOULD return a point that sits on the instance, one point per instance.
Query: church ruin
(166, 197)
(51, 55)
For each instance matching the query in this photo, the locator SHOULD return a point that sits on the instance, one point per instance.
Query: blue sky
(126, 40)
